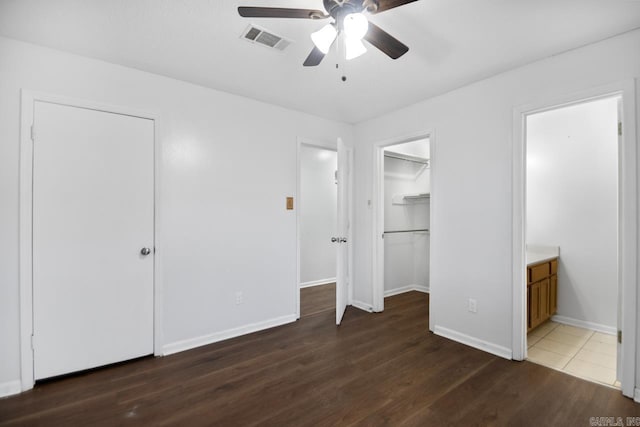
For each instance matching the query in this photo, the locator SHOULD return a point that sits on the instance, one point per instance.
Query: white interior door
(93, 213)
(344, 236)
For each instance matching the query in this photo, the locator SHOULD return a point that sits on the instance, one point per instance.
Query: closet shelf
(419, 230)
(405, 199)
(417, 196)
(407, 157)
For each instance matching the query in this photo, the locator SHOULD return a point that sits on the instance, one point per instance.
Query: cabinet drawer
(554, 266)
(538, 272)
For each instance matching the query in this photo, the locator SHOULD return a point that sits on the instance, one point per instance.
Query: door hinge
(33, 133)
(619, 337)
(33, 347)
(619, 128)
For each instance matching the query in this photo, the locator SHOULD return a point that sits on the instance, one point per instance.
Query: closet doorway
(402, 218)
(317, 216)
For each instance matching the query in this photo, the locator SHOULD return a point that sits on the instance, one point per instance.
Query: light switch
(289, 203)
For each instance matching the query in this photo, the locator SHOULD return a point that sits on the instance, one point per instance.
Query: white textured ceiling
(452, 43)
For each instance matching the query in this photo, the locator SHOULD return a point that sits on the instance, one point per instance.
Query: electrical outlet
(238, 298)
(473, 305)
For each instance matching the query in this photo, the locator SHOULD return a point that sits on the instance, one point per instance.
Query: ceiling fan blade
(314, 58)
(280, 12)
(384, 41)
(390, 4)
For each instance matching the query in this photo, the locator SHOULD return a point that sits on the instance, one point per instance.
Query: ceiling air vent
(266, 38)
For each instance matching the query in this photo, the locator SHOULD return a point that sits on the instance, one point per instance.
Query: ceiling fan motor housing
(339, 9)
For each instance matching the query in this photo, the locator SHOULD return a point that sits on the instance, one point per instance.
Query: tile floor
(576, 351)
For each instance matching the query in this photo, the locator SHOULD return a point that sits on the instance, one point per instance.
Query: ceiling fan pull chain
(341, 64)
(344, 77)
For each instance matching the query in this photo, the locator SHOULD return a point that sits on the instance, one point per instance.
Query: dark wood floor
(374, 369)
(317, 299)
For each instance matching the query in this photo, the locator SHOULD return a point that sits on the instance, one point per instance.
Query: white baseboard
(584, 324)
(10, 388)
(409, 288)
(318, 282)
(223, 335)
(362, 306)
(636, 395)
(498, 350)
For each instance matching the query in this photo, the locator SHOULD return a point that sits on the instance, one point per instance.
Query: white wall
(318, 214)
(471, 159)
(227, 164)
(216, 168)
(406, 255)
(572, 202)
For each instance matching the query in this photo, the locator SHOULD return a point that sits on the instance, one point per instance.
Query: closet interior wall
(406, 208)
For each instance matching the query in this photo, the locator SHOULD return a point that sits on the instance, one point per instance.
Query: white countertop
(537, 254)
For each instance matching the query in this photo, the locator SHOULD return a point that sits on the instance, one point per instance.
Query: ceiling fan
(347, 18)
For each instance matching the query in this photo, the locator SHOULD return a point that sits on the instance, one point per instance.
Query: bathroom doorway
(574, 228)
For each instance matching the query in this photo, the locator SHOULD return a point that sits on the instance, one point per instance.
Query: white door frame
(627, 214)
(377, 201)
(26, 218)
(326, 145)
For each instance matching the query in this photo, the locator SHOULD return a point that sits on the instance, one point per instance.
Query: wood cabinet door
(544, 300)
(553, 295)
(534, 304)
(529, 309)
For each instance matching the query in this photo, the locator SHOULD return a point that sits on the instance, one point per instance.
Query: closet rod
(405, 231)
(407, 158)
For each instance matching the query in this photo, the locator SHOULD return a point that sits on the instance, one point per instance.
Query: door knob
(342, 240)
(145, 251)
(334, 239)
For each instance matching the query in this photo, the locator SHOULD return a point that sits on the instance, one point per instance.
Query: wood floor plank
(374, 369)
(317, 299)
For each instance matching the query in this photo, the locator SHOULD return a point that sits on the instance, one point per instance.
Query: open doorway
(571, 235)
(626, 233)
(318, 224)
(403, 218)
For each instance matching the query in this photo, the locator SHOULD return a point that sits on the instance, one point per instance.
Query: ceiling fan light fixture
(355, 25)
(349, 19)
(324, 37)
(353, 47)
